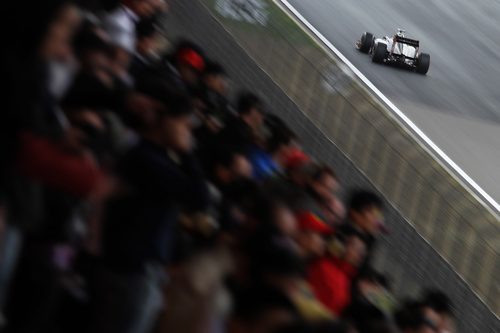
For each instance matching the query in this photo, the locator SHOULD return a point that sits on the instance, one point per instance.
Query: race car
(396, 50)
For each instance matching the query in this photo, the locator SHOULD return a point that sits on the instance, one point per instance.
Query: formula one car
(396, 50)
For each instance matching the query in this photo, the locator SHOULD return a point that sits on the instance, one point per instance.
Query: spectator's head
(142, 8)
(261, 310)
(47, 29)
(147, 37)
(438, 307)
(411, 318)
(281, 144)
(311, 239)
(351, 248)
(242, 200)
(251, 110)
(94, 53)
(366, 211)
(299, 168)
(281, 218)
(370, 281)
(173, 123)
(189, 60)
(229, 165)
(324, 183)
(215, 78)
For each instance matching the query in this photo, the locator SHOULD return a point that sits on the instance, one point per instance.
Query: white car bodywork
(399, 48)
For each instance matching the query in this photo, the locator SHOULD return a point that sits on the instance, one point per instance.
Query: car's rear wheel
(423, 63)
(366, 42)
(379, 52)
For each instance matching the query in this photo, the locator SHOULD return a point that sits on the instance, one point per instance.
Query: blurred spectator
(366, 217)
(146, 56)
(322, 199)
(311, 239)
(162, 177)
(214, 91)
(284, 269)
(184, 66)
(120, 24)
(411, 318)
(438, 306)
(331, 277)
(261, 309)
(371, 287)
(244, 131)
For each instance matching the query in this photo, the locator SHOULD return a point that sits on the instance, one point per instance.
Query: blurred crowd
(137, 196)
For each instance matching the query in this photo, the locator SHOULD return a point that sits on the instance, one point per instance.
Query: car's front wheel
(379, 52)
(423, 63)
(366, 42)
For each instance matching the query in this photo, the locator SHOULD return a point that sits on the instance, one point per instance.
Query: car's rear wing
(412, 42)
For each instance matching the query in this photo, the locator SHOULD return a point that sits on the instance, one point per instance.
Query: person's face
(217, 83)
(311, 243)
(241, 168)
(177, 133)
(256, 119)
(146, 45)
(355, 251)
(285, 221)
(442, 321)
(369, 219)
(143, 8)
(189, 75)
(326, 187)
(57, 42)
(121, 60)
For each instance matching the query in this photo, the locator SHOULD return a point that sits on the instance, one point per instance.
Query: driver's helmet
(400, 33)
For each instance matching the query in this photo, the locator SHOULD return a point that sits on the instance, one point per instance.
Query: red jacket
(45, 161)
(330, 279)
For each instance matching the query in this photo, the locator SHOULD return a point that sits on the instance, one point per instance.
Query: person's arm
(47, 162)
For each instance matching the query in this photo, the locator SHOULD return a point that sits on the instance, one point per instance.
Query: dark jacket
(238, 134)
(141, 225)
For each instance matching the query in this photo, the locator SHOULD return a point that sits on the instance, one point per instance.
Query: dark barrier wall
(437, 229)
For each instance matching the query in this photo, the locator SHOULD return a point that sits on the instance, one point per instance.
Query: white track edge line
(470, 182)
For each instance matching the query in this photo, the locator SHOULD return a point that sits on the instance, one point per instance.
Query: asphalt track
(457, 104)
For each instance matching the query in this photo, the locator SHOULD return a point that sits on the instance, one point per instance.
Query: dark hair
(214, 68)
(411, 316)
(362, 199)
(323, 170)
(372, 275)
(36, 18)
(176, 103)
(248, 101)
(438, 301)
(87, 40)
(252, 303)
(278, 261)
(367, 318)
(280, 137)
(146, 28)
(224, 155)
